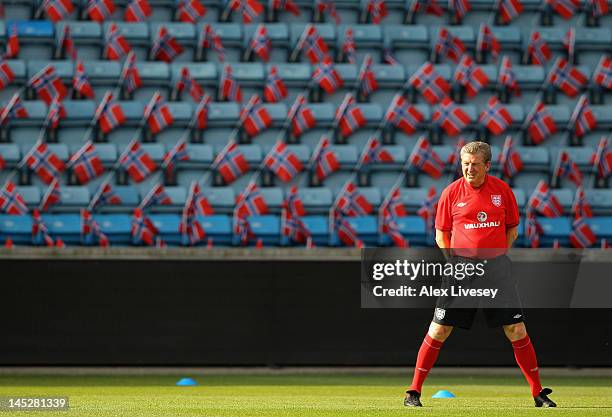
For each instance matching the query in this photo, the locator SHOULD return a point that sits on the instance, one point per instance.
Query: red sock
(526, 359)
(428, 353)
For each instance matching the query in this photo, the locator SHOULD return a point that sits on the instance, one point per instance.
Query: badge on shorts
(496, 200)
(440, 313)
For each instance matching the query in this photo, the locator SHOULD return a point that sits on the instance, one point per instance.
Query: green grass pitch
(320, 395)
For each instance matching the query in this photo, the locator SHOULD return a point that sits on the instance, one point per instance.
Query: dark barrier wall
(156, 312)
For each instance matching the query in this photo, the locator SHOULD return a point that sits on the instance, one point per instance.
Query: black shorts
(451, 311)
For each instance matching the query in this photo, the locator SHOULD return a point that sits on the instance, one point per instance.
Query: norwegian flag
(605, 244)
(538, 49)
(602, 159)
(177, 153)
(373, 152)
(14, 109)
(202, 111)
(293, 227)
(470, 76)
(40, 233)
(275, 89)
(367, 79)
(348, 46)
(426, 159)
(377, 9)
(91, 229)
(567, 168)
(136, 162)
(190, 228)
(130, 74)
(11, 202)
(116, 47)
(564, 8)
(110, 114)
(6, 74)
(509, 159)
(429, 208)
(487, 42)
(495, 117)
(231, 163)
(210, 39)
(55, 113)
(350, 202)
(346, 233)
(507, 78)
(250, 202)
(286, 5)
(389, 226)
(186, 82)
(427, 6)
(12, 45)
(52, 196)
(454, 158)
(230, 90)
(158, 115)
(597, 8)
(429, 83)
(393, 204)
(190, 11)
(581, 206)
(137, 11)
(57, 10)
(403, 115)
(197, 201)
(249, 9)
(261, 43)
(100, 10)
(603, 73)
(349, 116)
(450, 117)
(324, 160)
(255, 117)
(328, 6)
(2, 163)
(293, 203)
(105, 195)
(80, 82)
(449, 46)
(388, 57)
(86, 164)
(583, 119)
(509, 10)
(327, 77)
(582, 236)
(284, 163)
(569, 43)
(166, 48)
(157, 196)
(313, 45)
(65, 44)
(567, 78)
(143, 230)
(459, 7)
(242, 229)
(48, 85)
(540, 123)
(533, 230)
(545, 202)
(44, 163)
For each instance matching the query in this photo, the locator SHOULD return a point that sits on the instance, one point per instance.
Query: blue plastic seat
(266, 228)
(231, 38)
(16, 228)
(103, 76)
(218, 228)
(366, 228)
(316, 200)
(66, 227)
(185, 34)
(10, 153)
(155, 77)
(222, 199)
(278, 33)
(129, 196)
(554, 228)
(601, 226)
(600, 201)
(273, 196)
(325, 30)
(36, 38)
(31, 195)
(116, 227)
(136, 34)
(86, 37)
(178, 196)
(73, 199)
(318, 227)
(205, 73)
(346, 154)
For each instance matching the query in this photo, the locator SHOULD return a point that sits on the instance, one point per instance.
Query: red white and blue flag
(495, 117)
(275, 89)
(143, 230)
(538, 49)
(349, 51)
(210, 39)
(137, 11)
(470, 76)
(597, 8)
(539, 123)
(544, 201)
(603, 73)
(509, 9)
(533, 229)
(6, 73)
(230, 90)
(86, 163)
(602, 159)
(509, 159)
(393, 204)
(293, 203)
(255, 117)
(11, 202)
(202, 112)
(190, 11)
(284, 163)
(367, 78)
(116, 46)
(301, 116)
(110, 114)
(428, 209)
(249, 9)
(506, 77)
(136, 162)
(189, 84)
(57, 10)
(426, 6)
(14, 109)
(346, 233)
(448, 45)
(582, 236)
(12, 44)
(293, 227)
(48, 85)
(328, 6)
(350, 202)
(65, 44)
(377, 9)
(564, 8)
(231, 163)
(40, 233)
(286, 5)
(80, 82)
(198, 201)
(567, 78)
(156, 196)
(459, 8)
(190, 228)
(177, 153)
(349, 116)
(426, 159)
(581, 206)
(327, 77)
(130, 74)
(429, 83)
(105, 195)
(450, 117)
(313, 45)
(324, 160)
(567, 168)
(373, 152)
(583, 119)
(158, 115)
(403, 115)
(166, 47)
(250, 202)
(487, 42)
(44, 163)
(55, 113)
(100, 10)
(52, 196)
(261, 43)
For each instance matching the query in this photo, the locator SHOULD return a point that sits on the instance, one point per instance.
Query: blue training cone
(443, 394)
(186, 382)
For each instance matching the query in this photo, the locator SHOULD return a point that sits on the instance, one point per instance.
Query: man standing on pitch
(478, 212)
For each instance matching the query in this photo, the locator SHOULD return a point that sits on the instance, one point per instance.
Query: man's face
(474, 168)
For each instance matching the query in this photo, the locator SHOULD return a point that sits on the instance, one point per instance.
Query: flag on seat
(190, 228)
(57, 10)
(156, 196)
(393, 204)
(44, 163)
(582, 236)
(249, 9)
(100, 10)
(293, 227)
(597, 8)
(231, 163)
(136, 162)
(48, 85)
(243, 230)
(509, 159)
(349, 116)
(564, 8)
(110, 114)
(284, 163)
(603, 73)
(432, 86)
(86, 164)
(116, 47)
(285, 5)
(367, 78)
(459, 8)
(569, 43)
(90, 230)
(255, 117)
(567, 168)
(190, 11)
(428, 209)
(230, 90)
(350, 202)
(346, 233)
(158, 115)
(210, 39)
(567, 78)
(470, 76)
(544, 201)
(426, 159)
(202, 112)
(377, 9)
(324, 160)
(373, 152)
(65, 45)
(275, 89)
(349, 51)
(6, 73)
(328, 6)
(166, 47)
(539, 123)
(533, 230)
(137, 11)
(506, 77)
(105, 195)
(12, 45)
(450, 117)
(495, 117)
(40, 233)
(388, 225)
(261, 43)
(187, 82)
(52, 196)
(14, 109)
(448, 45)
(426, 6)
(55, 113)
(581, 206)
(509, 10)
(80, 82)
(11, 202)
(2, 163)
(403, 115)
(197, 201)
(250, 202)
(143, 230)
(327, 77)
(487, 42)
(602, 159)
(313, 45)
(583, 119)
(293, 203)
(177, 153)
(538, 49)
